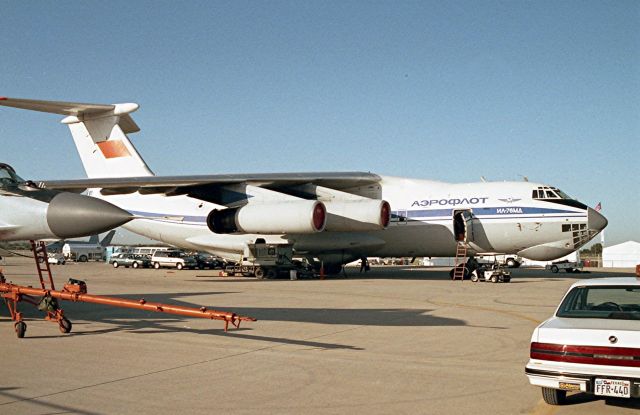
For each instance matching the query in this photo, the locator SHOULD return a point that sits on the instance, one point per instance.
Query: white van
(173, 259)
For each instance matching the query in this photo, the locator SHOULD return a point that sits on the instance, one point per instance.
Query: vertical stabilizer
(105, 149)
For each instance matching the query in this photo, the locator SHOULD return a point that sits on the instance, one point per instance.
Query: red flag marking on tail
(113, 149)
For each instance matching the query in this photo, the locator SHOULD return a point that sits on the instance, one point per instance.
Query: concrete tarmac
(396, 340)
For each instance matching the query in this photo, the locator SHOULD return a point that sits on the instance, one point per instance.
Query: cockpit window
(546, 193)
(8, 175)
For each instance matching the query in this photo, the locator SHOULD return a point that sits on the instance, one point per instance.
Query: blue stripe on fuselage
(488, 211)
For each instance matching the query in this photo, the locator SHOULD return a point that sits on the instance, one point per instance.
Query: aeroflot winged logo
(509, 200)
(451, 202)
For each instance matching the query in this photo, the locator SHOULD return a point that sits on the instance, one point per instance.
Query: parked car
(566, 265)
(130, 260)
(591, 343)
(208, 261)
(173, 259)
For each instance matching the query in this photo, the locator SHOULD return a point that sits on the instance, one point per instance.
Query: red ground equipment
(76, 291)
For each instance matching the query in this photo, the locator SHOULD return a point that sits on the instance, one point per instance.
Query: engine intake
(297, 216)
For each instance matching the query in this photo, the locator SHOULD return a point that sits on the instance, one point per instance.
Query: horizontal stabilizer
(78, 109)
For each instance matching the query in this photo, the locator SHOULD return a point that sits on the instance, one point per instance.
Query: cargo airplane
(331, 217)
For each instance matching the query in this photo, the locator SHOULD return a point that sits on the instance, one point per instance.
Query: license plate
(613, 387)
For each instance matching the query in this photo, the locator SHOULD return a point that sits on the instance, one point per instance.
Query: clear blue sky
(447, 90)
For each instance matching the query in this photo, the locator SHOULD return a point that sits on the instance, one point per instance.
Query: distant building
(624, 255)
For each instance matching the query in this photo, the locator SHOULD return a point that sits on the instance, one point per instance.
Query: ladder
(39, 249)
(461, 260)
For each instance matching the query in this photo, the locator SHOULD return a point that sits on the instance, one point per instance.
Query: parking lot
(401, 340)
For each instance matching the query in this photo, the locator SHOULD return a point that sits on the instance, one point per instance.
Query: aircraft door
(463, 226)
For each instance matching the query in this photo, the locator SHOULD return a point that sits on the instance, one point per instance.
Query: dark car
(208, 261)
(130, 260)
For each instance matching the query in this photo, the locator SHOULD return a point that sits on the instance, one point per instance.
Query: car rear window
(608, 302)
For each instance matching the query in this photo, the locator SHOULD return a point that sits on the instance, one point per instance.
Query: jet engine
(357, 215)
(296, 216)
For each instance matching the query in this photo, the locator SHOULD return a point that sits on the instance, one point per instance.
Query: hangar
(624, 255)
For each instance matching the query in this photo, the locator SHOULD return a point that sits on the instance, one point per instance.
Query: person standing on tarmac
(364, 264)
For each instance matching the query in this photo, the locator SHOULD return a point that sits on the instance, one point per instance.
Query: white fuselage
(505, 218)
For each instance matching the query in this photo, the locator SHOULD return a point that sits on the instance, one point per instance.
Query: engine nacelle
(296, 216)
(357, 215)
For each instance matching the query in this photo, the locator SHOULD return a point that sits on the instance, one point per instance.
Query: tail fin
(100, 134)
(106, 241)
(93, 239)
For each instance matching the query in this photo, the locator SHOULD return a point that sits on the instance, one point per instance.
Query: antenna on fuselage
(484, 180)
(524, 178)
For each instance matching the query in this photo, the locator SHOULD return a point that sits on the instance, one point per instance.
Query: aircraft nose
(596, 221)
(71, 215)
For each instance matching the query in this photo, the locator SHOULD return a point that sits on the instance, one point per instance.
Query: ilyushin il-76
(333, 217)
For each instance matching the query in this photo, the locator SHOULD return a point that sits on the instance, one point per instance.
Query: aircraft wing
(214, 188)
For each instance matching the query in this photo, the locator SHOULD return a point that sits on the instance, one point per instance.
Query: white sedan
(592, 342)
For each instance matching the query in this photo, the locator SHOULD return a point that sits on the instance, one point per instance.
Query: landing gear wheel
(135, 265)
(474, 278)
(511, 263)
(553, 396)
(494, 278)
(259, 273)
(65, 325)
(179, 266)
(21, 328)
(554, 269)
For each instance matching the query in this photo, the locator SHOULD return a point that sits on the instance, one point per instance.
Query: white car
(173, 259)
(591, 344)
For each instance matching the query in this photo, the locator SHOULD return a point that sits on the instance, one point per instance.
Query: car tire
(135, 265)
(494, 278)
(83, 258)
(115, 264)
(179, 266)
(156, 265)
(554, 396)
(554, 269)
(271, 273)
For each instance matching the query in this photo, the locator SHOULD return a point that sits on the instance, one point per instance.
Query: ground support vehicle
(263, 260)
(83, 253)
(567, 266)
(494, 273)
(591, 343)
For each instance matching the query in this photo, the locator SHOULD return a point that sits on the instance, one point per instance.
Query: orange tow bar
(76, 291)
